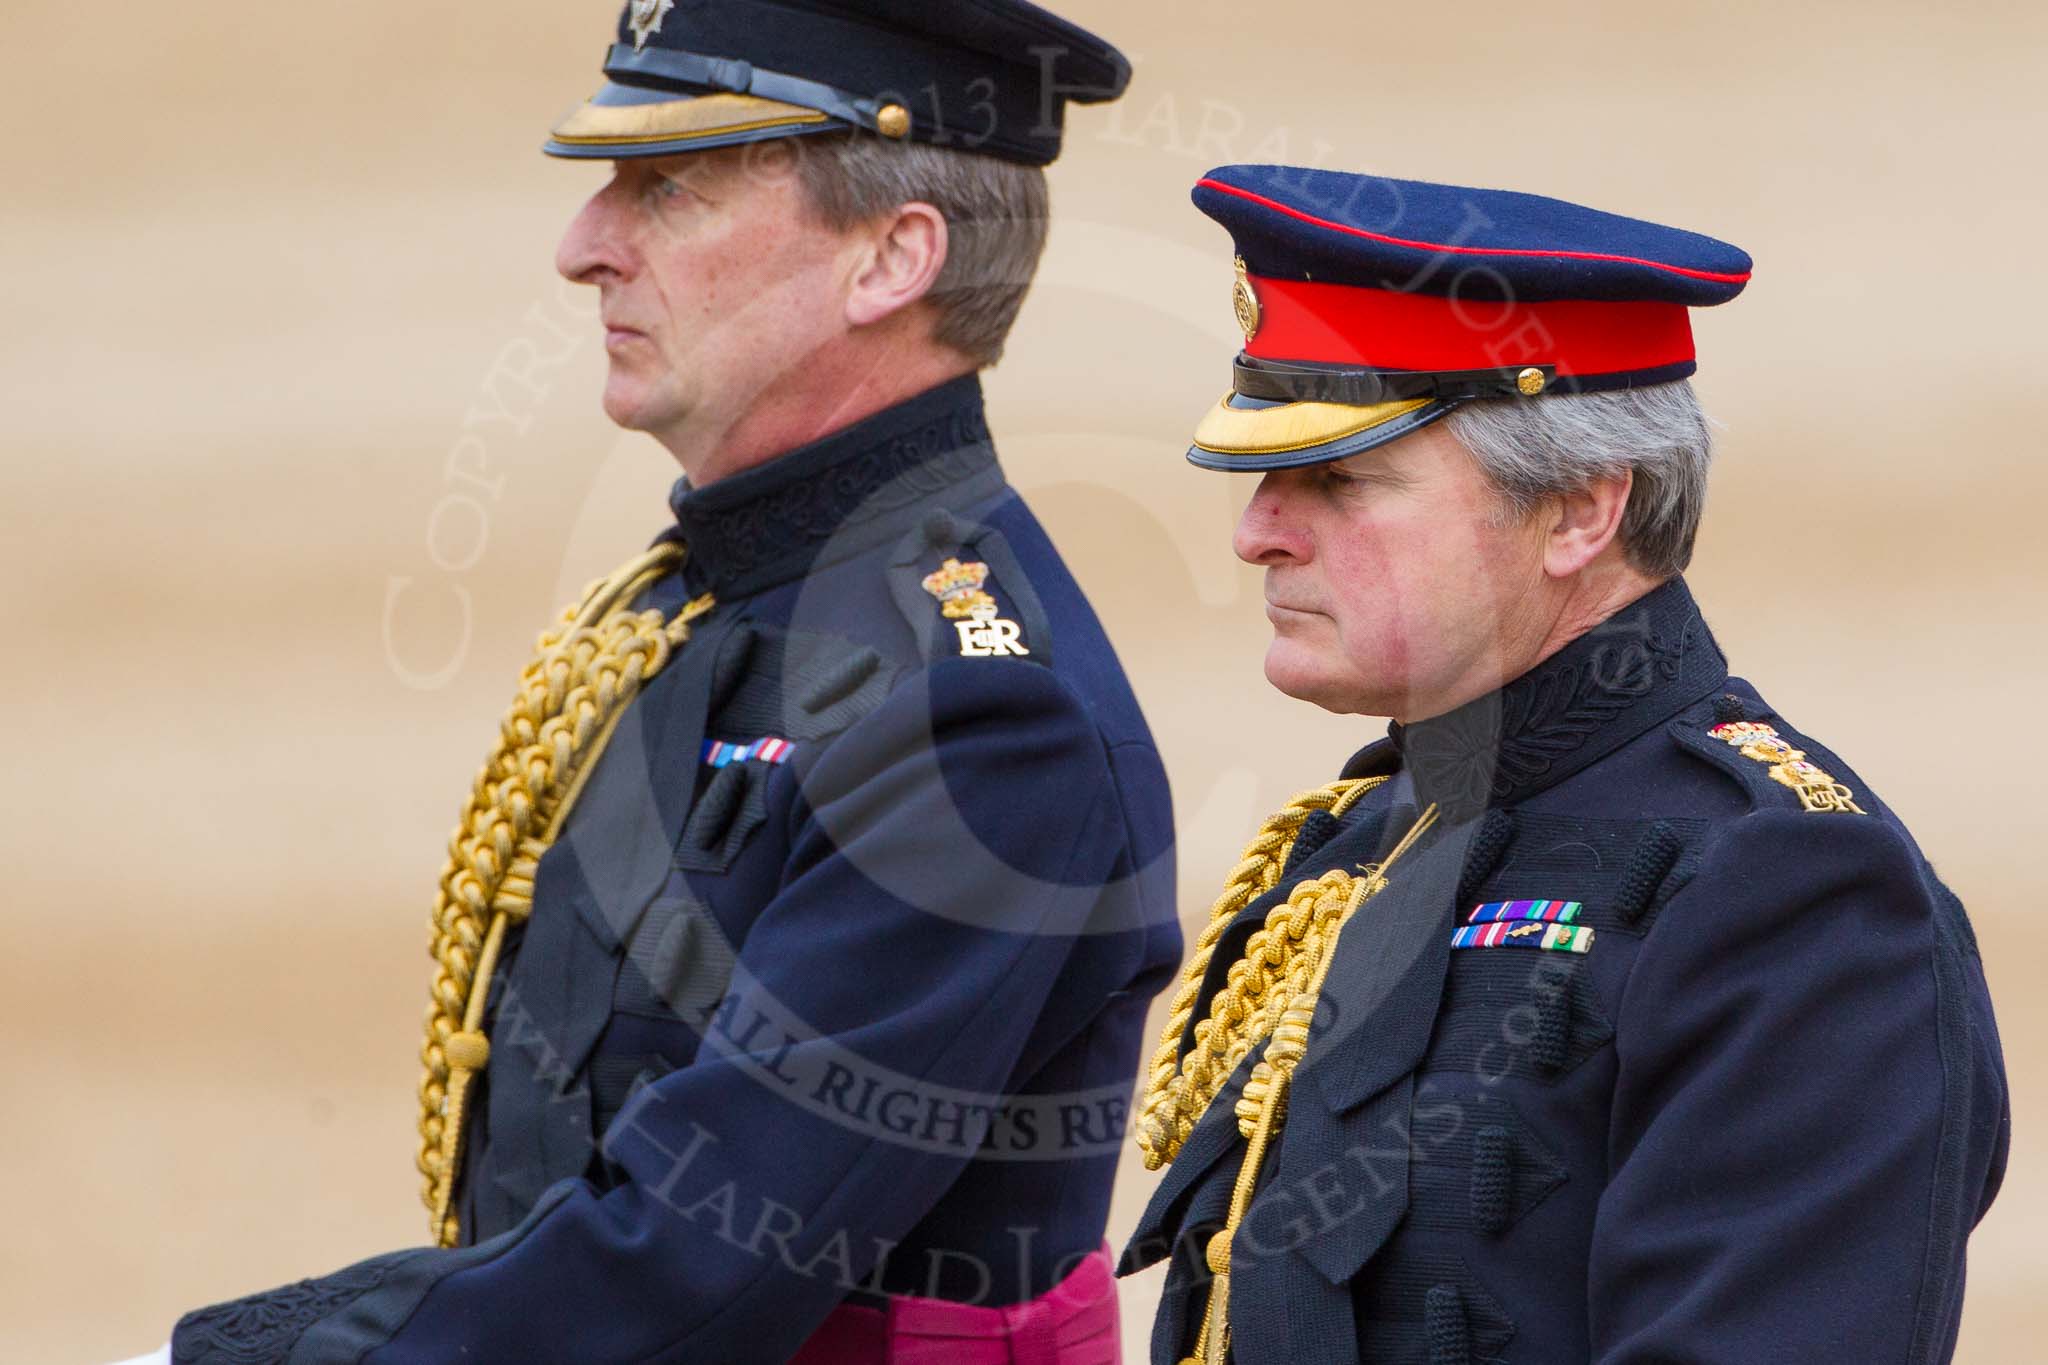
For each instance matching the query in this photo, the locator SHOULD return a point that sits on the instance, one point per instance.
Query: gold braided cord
(1326, 905)
(1177, 1091)
(585, 673)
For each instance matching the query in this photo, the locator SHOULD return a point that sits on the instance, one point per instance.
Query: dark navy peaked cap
(1374, 307)
(988, 76)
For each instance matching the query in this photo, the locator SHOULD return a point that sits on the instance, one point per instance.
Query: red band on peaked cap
(1341, 324)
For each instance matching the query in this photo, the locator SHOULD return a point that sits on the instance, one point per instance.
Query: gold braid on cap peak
(1301, 942)
(585, 673)
(1179, 1089)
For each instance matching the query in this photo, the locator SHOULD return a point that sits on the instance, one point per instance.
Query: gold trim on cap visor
(592, 125)
(1289, 427)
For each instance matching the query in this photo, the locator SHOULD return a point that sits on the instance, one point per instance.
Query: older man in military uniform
(1597, 1013)
(795, 945)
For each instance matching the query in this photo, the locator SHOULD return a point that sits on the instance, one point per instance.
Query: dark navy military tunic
(835, 981)
(1755, 1122)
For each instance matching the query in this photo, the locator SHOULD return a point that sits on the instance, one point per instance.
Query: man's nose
(1270, 532)
(593, 246)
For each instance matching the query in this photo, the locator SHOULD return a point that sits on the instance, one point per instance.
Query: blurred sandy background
(286, 380)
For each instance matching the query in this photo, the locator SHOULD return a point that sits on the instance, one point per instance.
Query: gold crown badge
(958, 588)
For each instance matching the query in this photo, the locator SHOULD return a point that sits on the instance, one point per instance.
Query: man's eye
(1338, 479)
(666, 189)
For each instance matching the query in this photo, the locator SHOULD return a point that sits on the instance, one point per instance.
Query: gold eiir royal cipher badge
(1818, 790)
(984, 634)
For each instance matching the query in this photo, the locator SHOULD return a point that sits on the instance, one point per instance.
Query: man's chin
(632, 408)
(1307, 679)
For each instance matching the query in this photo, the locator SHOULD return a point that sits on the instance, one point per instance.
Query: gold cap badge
(1246, 301)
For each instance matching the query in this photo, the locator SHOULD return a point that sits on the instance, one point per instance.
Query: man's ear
(1584, 524)
(905, 254)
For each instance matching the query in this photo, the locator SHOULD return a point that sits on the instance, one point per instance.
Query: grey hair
(1535, 448)
(995, 213)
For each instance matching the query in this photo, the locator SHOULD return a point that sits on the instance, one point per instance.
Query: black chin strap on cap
(1300, 382)
(659, 65)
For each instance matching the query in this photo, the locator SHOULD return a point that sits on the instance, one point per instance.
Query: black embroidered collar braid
(838, 497)
(1633, 671)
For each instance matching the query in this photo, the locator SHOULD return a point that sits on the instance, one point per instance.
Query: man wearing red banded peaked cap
(1596, 1013)
(1400, 299)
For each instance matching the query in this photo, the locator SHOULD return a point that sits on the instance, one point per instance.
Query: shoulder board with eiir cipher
(1753, 749)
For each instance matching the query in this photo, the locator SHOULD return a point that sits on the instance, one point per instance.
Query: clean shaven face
(717, 283)
(1393, 580)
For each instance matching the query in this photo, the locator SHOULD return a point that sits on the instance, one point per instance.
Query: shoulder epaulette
(965, 595)
(1753, 748)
